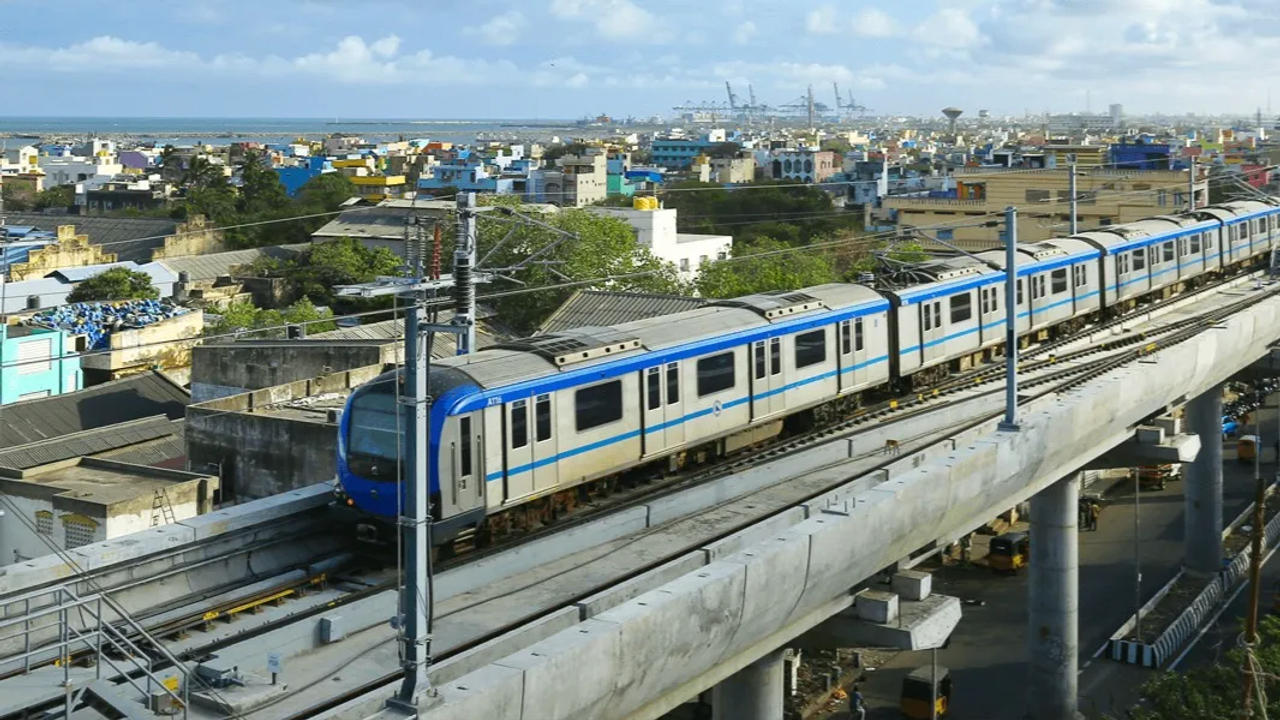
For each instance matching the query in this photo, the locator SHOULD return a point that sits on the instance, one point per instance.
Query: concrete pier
(752, 693)
(1202, 487)
(1053, 602)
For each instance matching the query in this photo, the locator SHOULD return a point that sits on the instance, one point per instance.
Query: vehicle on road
(1247, 448)
(1154, 477)
(1009, 552)
(921, 684)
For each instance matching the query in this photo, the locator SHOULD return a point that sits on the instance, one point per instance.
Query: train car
(1248, 229)
(526, 420)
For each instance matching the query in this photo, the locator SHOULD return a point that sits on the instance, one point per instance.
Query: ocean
(222, 131)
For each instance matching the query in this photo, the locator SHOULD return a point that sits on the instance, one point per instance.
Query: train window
(542, 417)
(1167, 252)
(857, 334)
(598, 405)
(673, 383)
(846, 342)
(775, 356)
(1139, 260)
(1018, 300)
(1194, 242)
(715, 374)
(1058, 280)
(372, 433)
(982, 297)
(653, 387)
(811, 348)
(937, 314)
(464, 446)
(519, 424)
(961, 308)
(757, 352)
(925, 319)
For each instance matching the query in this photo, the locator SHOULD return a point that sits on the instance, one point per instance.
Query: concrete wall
(194, 237)
(261, 454)
(187, 499)
(37, 379)
(232, 368)
(152, 346)
(71, 250)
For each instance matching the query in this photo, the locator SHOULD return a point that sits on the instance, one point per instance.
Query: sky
(574, 58)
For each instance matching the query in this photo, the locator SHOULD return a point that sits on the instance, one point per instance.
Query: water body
(223, 131)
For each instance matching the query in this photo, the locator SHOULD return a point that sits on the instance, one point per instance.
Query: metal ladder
(161, 508)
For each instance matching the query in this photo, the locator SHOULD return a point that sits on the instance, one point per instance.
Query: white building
(72, 169)
(655, 229)
(85, 500)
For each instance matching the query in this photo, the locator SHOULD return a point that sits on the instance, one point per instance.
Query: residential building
(70, 169)
(655, 230)
(1105, 197)
(41, 363)
(121, 193)
(301, 172)
(734, 170)
(376, 188)
(803, 165)
(678, 153)
(578, 180)
(20, 160)
(85, 500)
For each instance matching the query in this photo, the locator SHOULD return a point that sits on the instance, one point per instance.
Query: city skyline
(573, 58)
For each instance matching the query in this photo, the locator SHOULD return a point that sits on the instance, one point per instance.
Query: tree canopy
(117, 283)
(766, 265)
(246, 316)
(603, 254)
(315, 272)
(796, 215)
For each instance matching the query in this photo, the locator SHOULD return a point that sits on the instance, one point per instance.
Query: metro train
(518, 427)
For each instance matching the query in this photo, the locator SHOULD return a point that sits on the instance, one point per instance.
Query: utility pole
(812, 125)
(1255, 566)
(415, 524)
(464, 261)
(1137, 561)
(1071, 183)
(1191, 185)
(1011, 320)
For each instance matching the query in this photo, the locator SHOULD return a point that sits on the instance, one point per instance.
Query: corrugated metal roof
(169, 451)
(590, 308)
(379, 222)
(129, 238)
(98, 441)
(118, 401)
(444, 345)
(214, 265)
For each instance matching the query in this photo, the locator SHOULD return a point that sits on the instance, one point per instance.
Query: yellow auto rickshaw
(1009, 552)
(916, 692)
(1247, 448)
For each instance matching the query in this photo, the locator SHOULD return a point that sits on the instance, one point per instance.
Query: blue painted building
(678, 153)
(36, 362)
(1141, 155)
(293, 177)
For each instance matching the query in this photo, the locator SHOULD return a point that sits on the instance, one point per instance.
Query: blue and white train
(519, 425)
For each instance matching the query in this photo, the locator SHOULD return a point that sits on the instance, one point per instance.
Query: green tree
(245, 315)
(838, 145)
(201, 173)
(59, 196)
(117, 283)
(260, 189)
(550, 154)
(797, 215)
(314, 273)
(325, 192)
(767, 265)
(18, 196)
(603, 251)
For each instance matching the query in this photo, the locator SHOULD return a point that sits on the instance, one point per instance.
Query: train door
(931, 328)
(852, 351)
(767, 378)
(519, 450)
(546, 472)
(463, 455)
(663, 409)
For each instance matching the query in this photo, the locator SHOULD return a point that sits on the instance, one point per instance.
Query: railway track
(1122, 351)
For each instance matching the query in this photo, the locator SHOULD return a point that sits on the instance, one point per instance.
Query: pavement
(987, 652)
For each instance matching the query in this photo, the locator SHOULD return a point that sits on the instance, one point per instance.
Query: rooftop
(92, 481)
(592, 308)
(129, 238)
(138, 396)
(214, 265)
(115, 441)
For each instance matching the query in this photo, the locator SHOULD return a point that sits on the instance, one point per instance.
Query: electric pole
(1071, 160)
(464, 261)
(1191, 185)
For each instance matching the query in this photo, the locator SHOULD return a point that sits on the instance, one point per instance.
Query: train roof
(1237, 209)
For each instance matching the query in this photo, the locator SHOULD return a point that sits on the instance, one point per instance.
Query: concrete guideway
(647, 655)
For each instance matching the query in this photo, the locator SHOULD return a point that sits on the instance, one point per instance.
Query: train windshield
(373, 440)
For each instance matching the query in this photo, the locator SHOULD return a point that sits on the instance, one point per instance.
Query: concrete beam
(650, 654)
(1150, 445)
(1267, 367)
(921, 625)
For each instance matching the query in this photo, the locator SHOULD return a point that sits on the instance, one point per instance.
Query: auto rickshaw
(915, 692)
(1009, 552)
(1247, 448)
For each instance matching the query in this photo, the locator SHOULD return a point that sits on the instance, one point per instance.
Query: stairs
(161, 509)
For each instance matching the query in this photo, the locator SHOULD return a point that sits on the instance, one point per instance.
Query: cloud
(744, 32)
(821, 20)
(104, 53)
(874, 23)
(501, 29)
(611, 18)
(949, 28)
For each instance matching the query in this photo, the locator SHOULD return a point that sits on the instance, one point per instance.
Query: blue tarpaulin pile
(97, 320)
